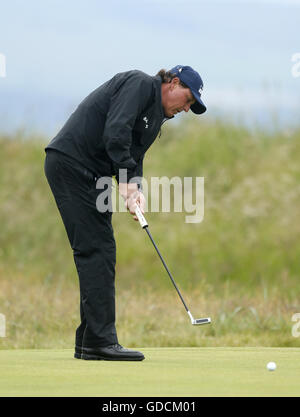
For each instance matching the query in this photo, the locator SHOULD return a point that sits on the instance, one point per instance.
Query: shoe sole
(103, 358)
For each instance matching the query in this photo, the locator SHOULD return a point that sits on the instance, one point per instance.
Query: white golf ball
(271, 366)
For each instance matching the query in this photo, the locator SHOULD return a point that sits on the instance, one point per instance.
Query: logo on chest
(146, 122)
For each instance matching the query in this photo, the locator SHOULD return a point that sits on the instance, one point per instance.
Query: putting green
(164, 372)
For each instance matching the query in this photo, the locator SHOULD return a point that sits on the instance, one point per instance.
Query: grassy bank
(240, 265)
(42, 315)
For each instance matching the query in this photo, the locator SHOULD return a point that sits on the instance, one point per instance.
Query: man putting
(108, 135)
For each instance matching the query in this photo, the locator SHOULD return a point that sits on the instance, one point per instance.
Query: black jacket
(113, 127)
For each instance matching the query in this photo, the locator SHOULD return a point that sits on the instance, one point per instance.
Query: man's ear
(174, 83)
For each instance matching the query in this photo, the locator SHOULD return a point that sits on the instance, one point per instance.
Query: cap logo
(180, 69)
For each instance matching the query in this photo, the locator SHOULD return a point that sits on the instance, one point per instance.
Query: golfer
(108, 135)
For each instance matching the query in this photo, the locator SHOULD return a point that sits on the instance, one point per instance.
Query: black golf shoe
(78, 352)
(114, 352)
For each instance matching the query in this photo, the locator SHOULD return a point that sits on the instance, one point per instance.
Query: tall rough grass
(240, 265)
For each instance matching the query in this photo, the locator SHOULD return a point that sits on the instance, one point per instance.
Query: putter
(145, 226)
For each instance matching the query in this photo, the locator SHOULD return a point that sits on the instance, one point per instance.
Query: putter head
(206, 320)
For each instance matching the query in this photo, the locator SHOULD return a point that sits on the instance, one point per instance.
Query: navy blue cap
(191, 79)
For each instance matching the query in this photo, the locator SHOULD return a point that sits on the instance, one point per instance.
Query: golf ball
(271, 366)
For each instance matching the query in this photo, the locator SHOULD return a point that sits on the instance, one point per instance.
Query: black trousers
(91, 237)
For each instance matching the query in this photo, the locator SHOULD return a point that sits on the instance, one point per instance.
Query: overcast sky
(58, 51)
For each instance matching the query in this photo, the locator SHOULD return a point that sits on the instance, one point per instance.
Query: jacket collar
(157, 87)
(157, 94)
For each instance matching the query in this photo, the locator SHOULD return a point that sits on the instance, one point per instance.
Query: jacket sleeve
(136, 176)
(139, 172)
(126, 103)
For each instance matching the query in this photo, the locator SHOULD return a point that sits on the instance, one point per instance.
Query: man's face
(176, 98)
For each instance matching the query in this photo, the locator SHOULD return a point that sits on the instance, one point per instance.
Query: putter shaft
(166, 268)
(144, 225)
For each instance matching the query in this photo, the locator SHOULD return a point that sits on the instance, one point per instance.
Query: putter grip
(140, 217)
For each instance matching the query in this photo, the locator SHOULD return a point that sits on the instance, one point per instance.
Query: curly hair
(167, 77)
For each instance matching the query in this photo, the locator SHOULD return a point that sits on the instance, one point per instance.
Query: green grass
(164, 372)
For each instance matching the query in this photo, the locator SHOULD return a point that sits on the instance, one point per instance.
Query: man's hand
(135, 199)
(127, 189)
(132, 197)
